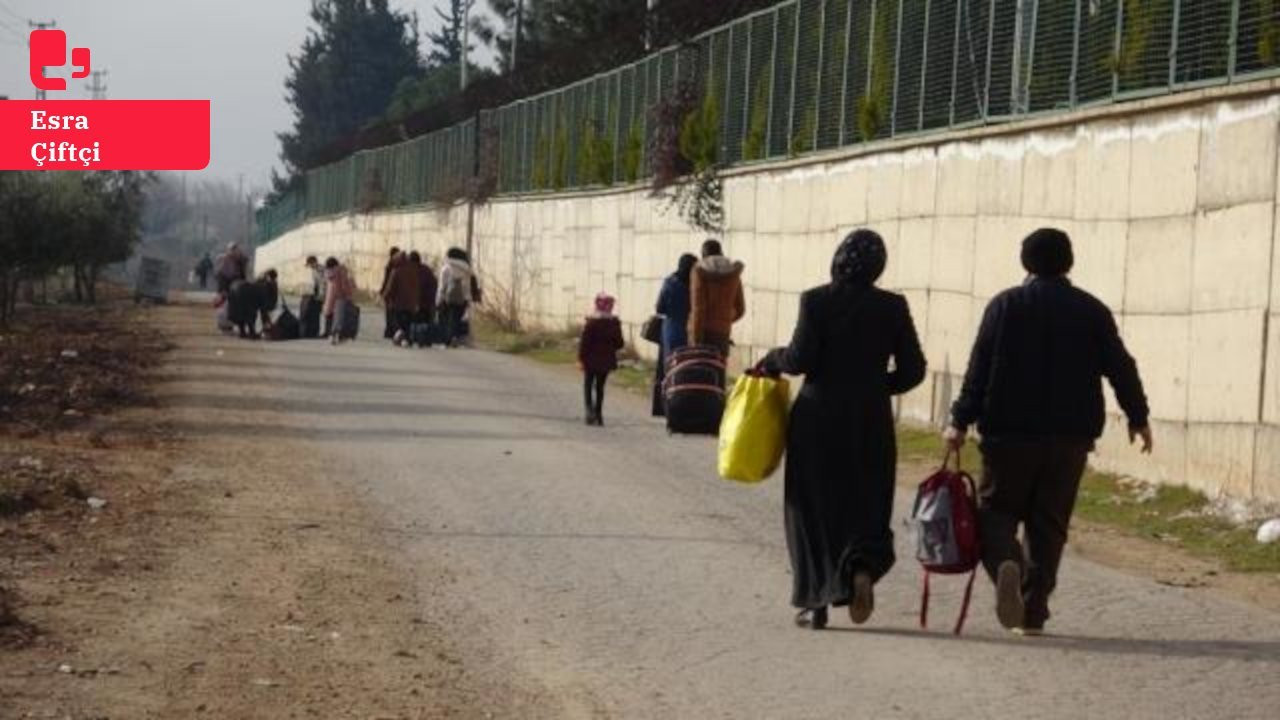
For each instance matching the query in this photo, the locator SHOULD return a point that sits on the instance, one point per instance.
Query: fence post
(871, 49)
(1072, 89)
(795, 65)
(844, 72)
(746, 94)
(817, 93)
(728, 97)
(1173, 43)
(1119, 46)
(773, 84)
(897, 68)
(1233, 41)
(986, 81)
(1024, 90)
(617, 125)
(924, 67)
(955, 64)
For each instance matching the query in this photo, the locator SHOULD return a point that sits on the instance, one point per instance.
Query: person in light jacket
(339, 297)
(457, 288)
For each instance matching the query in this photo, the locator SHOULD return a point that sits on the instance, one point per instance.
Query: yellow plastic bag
(753, 434)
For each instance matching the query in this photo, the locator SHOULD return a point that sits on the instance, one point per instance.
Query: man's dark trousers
(1033, 483)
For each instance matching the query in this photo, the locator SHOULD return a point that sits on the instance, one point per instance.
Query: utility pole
(515, 39)
(466, 39)
(41, 94)
(98, 88)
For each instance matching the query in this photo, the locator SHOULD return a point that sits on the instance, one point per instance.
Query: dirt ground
(214, 582)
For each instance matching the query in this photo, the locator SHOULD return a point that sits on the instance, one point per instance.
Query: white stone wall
(1172, 206)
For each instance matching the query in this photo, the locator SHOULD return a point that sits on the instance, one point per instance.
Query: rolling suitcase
(286, 326)
(309, 311)
(694, 391)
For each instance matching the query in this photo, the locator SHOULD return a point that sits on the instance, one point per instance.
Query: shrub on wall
(756, 145)
(633, 154)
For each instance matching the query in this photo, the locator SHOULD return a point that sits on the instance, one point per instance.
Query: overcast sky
(232, 52)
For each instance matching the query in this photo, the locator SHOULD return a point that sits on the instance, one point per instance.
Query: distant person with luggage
(341, 315)
(673, 307)
(1034, 389)
(841, 447)
(202, 270)
(249, 301)
(457, 289)
(232, 266)
(311, 309)
(716, 297)
(388, 330)
(598, 355)
(401, 295)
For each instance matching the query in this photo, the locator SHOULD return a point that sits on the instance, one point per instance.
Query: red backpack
(945, 518)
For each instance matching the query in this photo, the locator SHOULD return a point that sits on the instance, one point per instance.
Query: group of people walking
(423, 309)
(1033, 389)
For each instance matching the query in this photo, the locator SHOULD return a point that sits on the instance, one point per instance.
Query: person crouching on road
(401, 296)
(598, 356)
(339, 297)
(1034, 388)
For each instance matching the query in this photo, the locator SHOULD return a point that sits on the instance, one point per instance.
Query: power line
(17, 34)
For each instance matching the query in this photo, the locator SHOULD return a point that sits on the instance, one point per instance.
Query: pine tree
(345, 75)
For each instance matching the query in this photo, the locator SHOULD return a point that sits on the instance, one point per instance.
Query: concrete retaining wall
(1172, 205)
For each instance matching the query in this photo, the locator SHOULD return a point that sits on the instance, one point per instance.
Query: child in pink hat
(598, 355)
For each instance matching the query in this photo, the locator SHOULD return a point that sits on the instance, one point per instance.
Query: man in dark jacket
(401, 296)
(1034, 389)
(428, 286)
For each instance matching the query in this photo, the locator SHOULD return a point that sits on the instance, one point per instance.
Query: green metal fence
(810, 75)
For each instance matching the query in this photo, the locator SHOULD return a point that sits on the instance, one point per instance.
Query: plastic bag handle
(946, 459)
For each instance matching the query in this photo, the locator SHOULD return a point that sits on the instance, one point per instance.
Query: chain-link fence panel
(1203, 39)
(735, 106)
(1001, 81)
(913, 18)
(1098, 46)
(803, 120)
(759, 83)
(1146, 30)
(939, 63)
(856, 60)
(1258, 36)
(972, 37)
(831, 72)
(784, 74)
(1052, 64)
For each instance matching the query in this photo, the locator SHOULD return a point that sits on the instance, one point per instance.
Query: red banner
(104, 135)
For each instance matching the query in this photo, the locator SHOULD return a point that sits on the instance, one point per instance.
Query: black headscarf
(860, 260)
(684, 270)
(1047, 253)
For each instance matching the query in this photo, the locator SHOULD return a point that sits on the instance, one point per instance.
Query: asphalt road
(611, 570)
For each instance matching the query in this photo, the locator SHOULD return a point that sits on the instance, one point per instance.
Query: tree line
(364, 77)
(78, 223)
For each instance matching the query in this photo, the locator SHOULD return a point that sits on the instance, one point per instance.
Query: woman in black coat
(841, 449)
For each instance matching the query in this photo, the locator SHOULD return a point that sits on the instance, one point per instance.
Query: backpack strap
(924, 603)
(964, 606)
